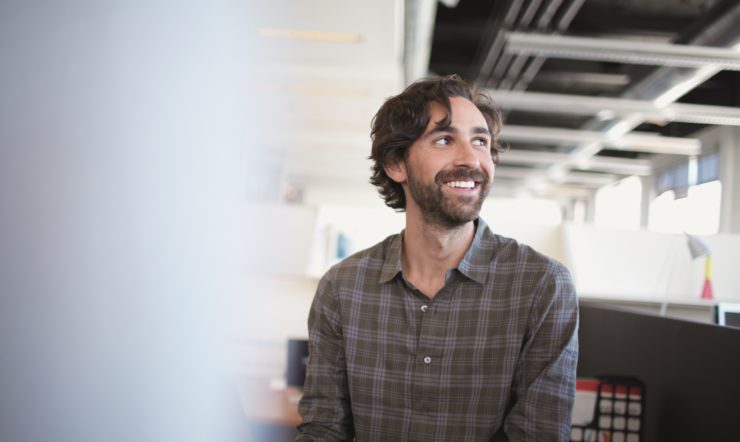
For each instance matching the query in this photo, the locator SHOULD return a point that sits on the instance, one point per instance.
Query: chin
(453, 219)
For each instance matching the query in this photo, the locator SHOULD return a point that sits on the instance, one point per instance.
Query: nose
(467, 156)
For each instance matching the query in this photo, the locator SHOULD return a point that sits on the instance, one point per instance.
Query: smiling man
(446, 331)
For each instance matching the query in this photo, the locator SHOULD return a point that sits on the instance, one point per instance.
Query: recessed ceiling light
(309, 35)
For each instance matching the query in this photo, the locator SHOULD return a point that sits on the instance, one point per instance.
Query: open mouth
(462, 184)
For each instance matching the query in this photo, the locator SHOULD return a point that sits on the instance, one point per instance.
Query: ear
(396, 171)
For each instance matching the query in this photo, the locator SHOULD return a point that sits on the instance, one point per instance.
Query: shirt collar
(470, 265)
(392, 263)
(473, 264)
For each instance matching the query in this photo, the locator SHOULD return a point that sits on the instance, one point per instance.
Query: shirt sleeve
(325, 405)
(543, 390)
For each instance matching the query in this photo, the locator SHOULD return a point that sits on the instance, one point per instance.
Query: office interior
(622, 137)
(177, 176)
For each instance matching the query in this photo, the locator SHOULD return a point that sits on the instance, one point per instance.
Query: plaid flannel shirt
(491, 357)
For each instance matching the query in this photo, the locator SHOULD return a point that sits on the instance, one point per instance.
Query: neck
(429, 251)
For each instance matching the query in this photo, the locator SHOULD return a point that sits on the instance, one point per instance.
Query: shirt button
(427, 360)
(424, 308)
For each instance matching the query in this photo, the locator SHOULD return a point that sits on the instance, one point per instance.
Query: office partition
(691, 370)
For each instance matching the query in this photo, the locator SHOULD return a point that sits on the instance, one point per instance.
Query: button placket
(428, 357)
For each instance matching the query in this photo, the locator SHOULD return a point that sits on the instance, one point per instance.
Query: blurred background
(176, 176)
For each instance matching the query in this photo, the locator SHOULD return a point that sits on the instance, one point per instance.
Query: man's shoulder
(523, 266)
(506, 250)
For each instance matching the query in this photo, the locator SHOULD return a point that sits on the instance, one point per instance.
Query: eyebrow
(454, 130)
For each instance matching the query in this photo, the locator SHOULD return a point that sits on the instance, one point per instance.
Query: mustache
(460, 174)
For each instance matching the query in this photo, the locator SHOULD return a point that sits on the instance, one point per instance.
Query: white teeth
(463, 184)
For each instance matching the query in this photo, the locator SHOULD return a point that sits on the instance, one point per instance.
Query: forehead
(464, 114)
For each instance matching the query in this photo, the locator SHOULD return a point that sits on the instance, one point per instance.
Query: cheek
(487, 165)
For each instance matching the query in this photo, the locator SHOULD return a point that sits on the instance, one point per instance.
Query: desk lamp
(699, 248)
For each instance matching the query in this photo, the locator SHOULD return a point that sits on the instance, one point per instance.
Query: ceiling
(604, 93)
(326, 67)
(585, 101)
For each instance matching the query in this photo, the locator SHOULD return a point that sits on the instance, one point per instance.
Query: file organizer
(618, 410)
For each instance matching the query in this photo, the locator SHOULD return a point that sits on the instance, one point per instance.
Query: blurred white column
(123, 136)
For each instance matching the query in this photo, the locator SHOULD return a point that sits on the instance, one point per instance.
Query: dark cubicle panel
(297, 360)
(691, 370)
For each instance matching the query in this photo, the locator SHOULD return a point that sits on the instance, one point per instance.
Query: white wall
(649, 266)
(282, 239)
(531, 221)
(270, 311)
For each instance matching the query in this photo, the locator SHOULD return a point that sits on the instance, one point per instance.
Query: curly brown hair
(403, 118)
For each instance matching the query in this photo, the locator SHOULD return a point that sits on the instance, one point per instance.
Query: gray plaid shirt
(491, 357)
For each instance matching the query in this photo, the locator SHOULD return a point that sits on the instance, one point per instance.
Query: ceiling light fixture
(309, 35)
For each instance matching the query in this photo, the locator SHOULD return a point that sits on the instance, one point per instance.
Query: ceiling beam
(594, 179)
(634, 141)
(622, 51)
(606, 107)
(621, 166)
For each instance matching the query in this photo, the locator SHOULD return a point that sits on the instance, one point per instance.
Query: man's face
(448, 170)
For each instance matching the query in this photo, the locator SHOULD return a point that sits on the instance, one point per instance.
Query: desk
(264, 404)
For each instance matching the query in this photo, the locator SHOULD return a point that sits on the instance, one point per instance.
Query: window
(697, 213)
(689, 197)
(617, 206)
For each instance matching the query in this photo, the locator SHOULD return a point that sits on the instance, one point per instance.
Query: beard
(448, 211)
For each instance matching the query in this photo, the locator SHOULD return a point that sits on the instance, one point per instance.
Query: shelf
(676, 302)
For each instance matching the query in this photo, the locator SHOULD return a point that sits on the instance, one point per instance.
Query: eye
(480, 142)
(444, 141)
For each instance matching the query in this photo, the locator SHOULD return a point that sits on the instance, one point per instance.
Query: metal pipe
(514, 64)
(495, 48)
(535, 63)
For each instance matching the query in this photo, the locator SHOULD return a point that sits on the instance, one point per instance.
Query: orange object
(706, 292)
